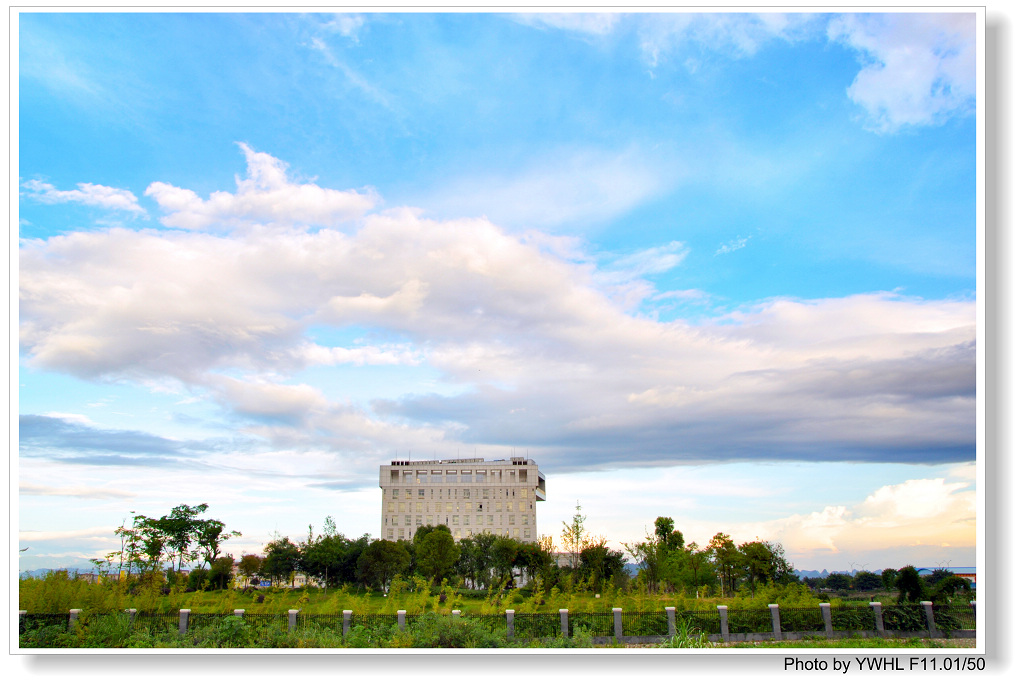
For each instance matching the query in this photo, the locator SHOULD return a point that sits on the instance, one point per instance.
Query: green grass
(821, 642)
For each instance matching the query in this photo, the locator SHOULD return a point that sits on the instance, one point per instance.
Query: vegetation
(429, 577)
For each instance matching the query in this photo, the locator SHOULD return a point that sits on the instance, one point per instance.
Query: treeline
(483, 561)
(941, 585)
(155, 550)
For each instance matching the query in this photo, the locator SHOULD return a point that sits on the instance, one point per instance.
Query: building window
(448, 506)
(490, 520)
(467, 476)
(401, 507)
(526, 519)
(451, 478)
(455, 520)
(522, 506)
(394, 493)
(481, 475)
(435, 477)
(465, 493)
(515, 532)
(391, 534)
(511, 519)
(422, 493)
(419, 520)
(526, 533)
(408, 493)
(479, 519)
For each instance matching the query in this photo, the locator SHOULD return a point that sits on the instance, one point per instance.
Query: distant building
(470, 496)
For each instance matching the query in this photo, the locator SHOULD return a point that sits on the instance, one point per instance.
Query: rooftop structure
(469, 495)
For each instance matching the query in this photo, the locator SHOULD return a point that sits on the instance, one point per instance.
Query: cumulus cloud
(86, 194)
(524, 336)
(919, 69)
(265, 196)
(936, 513)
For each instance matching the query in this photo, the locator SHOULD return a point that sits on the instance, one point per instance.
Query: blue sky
(718, 267)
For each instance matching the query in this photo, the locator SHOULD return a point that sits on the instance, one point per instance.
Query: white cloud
(737, 35)
(265, 196)
(511, 326)
(919, 68)
(93, 492)
(732, 245)
(584, 23)
(570, 188)
(932, 513)
(86, 194)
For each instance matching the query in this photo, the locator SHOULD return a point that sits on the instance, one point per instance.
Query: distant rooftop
(514, 460)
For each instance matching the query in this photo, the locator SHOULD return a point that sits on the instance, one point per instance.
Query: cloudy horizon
(718, 267)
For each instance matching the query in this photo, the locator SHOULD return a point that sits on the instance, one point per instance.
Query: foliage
(575, 537)
(436, 553)
(381, 562)
(280, 561)
(909, 583)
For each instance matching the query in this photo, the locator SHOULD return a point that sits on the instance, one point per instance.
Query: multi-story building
(470, 496)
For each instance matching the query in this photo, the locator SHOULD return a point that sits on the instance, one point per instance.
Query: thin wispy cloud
(87, 194)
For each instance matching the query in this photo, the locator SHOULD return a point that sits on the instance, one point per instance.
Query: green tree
(889, 578)
(281, 560)
(669, 538)
(181, 528)
(220, 572)
(645, 555)
(838, 581)
(867, 580)
(436, 553)
(381, 562)
(727, 559)
(210, 536)
(503, 555)
(249, 566)
(575, 538)
(910, 585)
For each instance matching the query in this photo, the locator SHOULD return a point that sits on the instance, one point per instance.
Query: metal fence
(853, 618)
(808, 619)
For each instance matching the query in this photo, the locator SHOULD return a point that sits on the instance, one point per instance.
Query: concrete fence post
(723, 615)
(183, 620)
(974, 611)
(670, 612)
(617, 618)
(879, 625)
(22, 613)
(456, 613)
(510, 623)
(776, 621)
(131, 615)
(929, 616)
(563, 614)
(346, 621)
(826, 616)
(293, 620)
(401, 619)
(240, 613)
(73, 618)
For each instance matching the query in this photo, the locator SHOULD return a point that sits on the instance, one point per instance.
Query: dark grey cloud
(70, 441)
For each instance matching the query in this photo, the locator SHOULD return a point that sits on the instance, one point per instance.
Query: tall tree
(281, 560)
(910, 585)
(436, 553)
(575, 537)
(728, 560)
(381, 562)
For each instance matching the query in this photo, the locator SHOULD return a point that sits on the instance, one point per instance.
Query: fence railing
(875, 619)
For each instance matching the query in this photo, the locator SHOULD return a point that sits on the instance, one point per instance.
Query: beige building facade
(470, 496)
